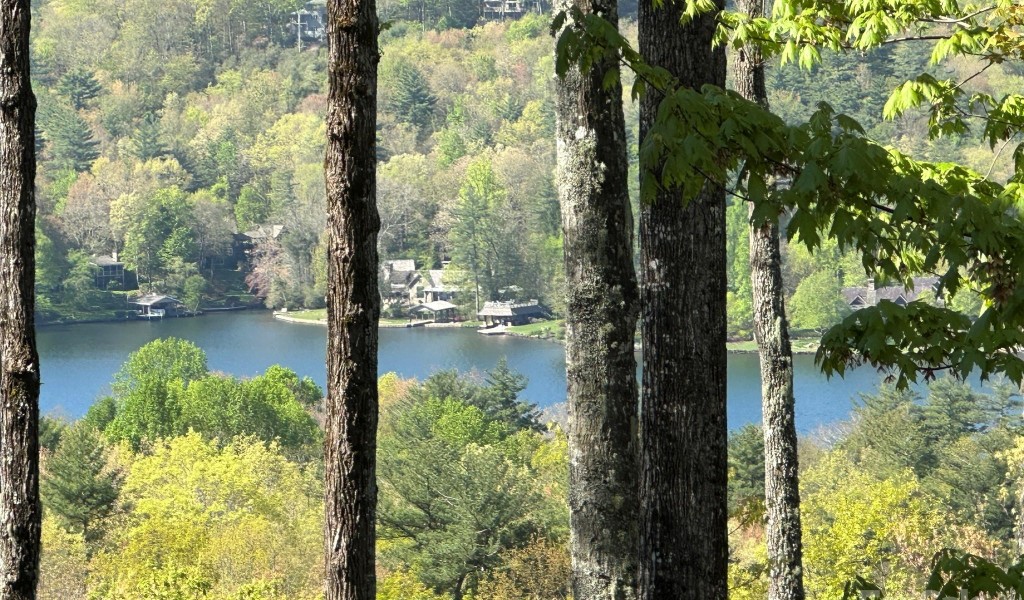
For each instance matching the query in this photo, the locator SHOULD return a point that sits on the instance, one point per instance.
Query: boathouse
(157, 306)
(439, 310)
(511, 313)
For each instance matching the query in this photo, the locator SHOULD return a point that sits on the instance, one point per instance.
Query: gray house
(869, 295)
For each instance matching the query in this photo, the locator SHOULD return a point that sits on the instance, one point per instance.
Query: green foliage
(457, 489)
(818, 302)
(164, 390)
(146, 144)
(72, 143)
(79, 87)
(51, 430)
(408, 94)
(497, 398)
(210, 521)
(79, 488)
(746, 467)
(902, 215)
(146, 409)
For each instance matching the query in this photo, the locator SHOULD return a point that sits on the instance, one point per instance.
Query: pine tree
(79, 87)
(146, 144)
(78, 487)
(71, 141)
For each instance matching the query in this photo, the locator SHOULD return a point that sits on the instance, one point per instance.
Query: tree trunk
(601, 313)
(684, 546)
(19, 362)
(353, 301)
(771, 330)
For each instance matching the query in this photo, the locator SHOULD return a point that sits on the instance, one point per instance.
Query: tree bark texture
(602, 304)
(684, 546)
(353, 301)
(19, 362)
(771, 330)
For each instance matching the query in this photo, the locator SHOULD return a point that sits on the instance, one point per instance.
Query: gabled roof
(264, 232)
(153, 299)
(510, 309)
(436, 306)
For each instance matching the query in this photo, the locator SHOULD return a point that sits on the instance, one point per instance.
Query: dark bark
(771, 330)
(602, 304)
(684, 547)
(353, 301)
(19, 362)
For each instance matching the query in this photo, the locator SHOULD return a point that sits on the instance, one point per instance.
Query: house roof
(404, 264)
(852, 293)
(105, 261)
(892, 292)
(436, 306)
(154, 299)
(265, 232)
(511, 309)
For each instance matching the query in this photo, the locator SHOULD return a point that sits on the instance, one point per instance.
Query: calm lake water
(78, 362)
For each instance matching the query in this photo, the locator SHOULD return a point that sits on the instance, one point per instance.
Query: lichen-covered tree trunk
(601, 313)
(684, 547)
(19, 362)
(771, 330)
(353, 302)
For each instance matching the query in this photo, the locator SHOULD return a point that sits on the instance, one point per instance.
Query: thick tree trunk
(19, 362)
(771, 330)
(601, 303)
(684, 547)
(353, 301)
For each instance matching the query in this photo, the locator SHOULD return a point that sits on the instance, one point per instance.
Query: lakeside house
(869, 295)
(437, 289)
(107, 270)
(158, 306)
(511, 312)
(400, 281)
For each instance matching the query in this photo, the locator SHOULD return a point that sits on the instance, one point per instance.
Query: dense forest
(167, 129)
(191, 484)
(160, 152)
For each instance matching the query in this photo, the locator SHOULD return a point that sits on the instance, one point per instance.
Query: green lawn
(542, 329)
(320, 314)
(801, 345)
(316, 314)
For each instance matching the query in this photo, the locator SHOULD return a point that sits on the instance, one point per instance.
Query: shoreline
(732, 346)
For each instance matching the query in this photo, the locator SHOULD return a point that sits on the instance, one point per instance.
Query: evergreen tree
(79, 87)
(146, 144)
(500, 400)
(72, 144)
(78, 487)
(410, 96)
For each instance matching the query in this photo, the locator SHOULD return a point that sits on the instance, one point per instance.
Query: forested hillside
(166, 129)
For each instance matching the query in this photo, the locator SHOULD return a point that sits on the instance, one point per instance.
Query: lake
(79, 361)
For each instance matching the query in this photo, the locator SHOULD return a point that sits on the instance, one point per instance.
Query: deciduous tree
(602, 303)
(353, 302)
(19, 361)
(771, 331)
(683, 445)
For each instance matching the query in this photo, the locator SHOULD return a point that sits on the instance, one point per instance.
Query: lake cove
(79, 361)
